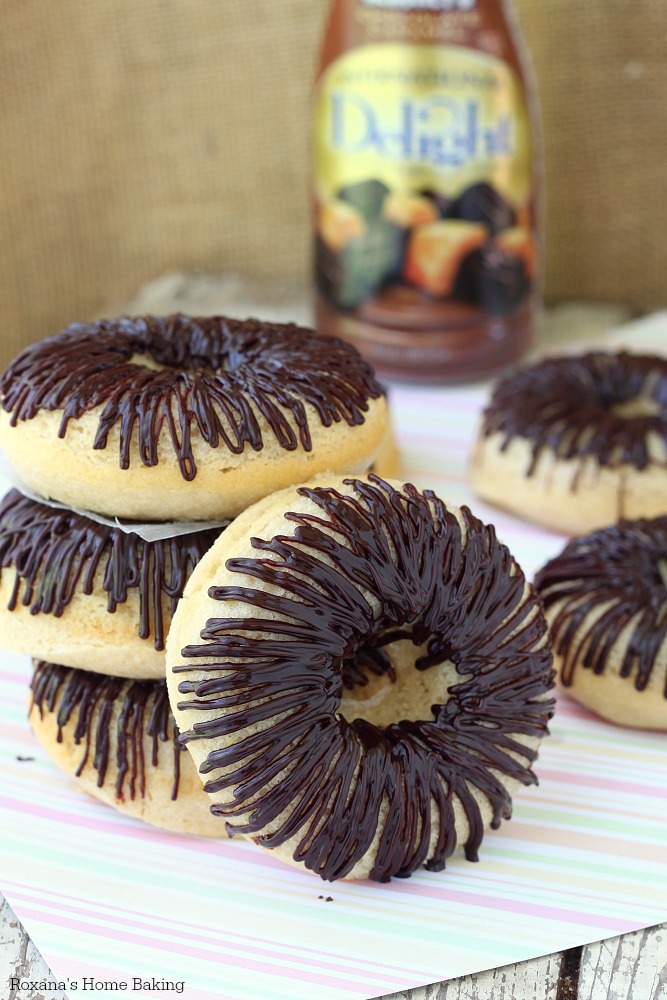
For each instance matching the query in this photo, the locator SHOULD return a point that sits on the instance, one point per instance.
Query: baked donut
(178, 417)
(87, 595)
(605, 597)
(360, 580)
(577, 443)
(387, 462)
(119, 740)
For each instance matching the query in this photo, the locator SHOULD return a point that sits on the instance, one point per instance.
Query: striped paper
(110, 900)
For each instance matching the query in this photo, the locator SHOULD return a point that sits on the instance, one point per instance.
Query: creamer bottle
(425, 188)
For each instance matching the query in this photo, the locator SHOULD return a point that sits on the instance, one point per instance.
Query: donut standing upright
(364, 686)
(157, 419)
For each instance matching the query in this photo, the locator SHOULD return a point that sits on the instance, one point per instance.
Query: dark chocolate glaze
(88, 701)
(459, 595)
(356, 670)
(566, 406)
(622, 569)
(221, 376)
(56, 553)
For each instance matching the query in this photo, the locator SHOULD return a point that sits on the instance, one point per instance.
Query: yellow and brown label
(423, 175)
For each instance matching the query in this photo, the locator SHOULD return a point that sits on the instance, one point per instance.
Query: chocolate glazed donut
(605, 598)
(574, 407)
(118, 739)
(210, 392)
(85, 701)
(367, 567)
(577, 443)
(89, 593)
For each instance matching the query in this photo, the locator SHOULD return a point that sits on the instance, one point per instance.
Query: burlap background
(140, 136)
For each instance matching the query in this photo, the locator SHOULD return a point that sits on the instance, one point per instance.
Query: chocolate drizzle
(296, 766)
(357, 669)
(56, 553)
(623, 571)
(88, 701)
(570, 406)
(219, 378)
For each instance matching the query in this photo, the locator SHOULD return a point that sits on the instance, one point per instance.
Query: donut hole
(402, 692)
(636, 408)
(189, 345)
(145, 360)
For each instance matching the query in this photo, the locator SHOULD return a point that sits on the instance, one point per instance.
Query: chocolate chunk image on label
(494, 279)
(482, 203)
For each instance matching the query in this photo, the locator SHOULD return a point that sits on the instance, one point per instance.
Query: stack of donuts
(579, 444)
(356, 674)
(158, 419)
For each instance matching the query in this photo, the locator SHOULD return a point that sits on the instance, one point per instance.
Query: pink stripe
(568, 708)
(630, 846)
(113, 823)
(609, 845)
(526, 883)
(213, 955)
(21, 680)
(418, 470)
(107, 825)
(422, 440)
(407, 402)
(609, 784)
(542, 911)
(19, 732)
(574, 710)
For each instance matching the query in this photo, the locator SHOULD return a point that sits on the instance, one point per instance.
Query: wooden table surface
(631, 967)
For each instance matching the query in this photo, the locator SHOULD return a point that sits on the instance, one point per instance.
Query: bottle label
(423, 177)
